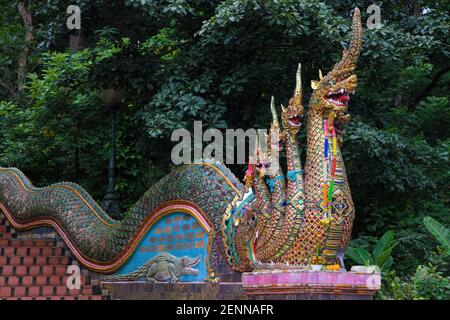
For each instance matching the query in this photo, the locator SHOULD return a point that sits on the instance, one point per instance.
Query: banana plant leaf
(441, 233)
(360, 256)
(387, 264)
(385, 242)
(381, 259)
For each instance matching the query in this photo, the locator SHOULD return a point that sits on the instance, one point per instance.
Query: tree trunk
(77, 149)
(75, 41)
(23, 60)
(416, 8)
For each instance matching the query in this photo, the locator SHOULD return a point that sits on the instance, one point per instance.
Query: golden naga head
(332, 92)
(291, 115)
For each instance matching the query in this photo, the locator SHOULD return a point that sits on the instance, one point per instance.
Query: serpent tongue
(344, 98)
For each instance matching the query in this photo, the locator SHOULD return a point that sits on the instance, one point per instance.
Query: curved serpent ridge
(101, 243)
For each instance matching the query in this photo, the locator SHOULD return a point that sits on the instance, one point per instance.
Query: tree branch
(23, 61)
(430, 87)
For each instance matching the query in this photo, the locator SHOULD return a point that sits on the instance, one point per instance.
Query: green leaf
(360, 256)
(387, 264)
(385, 242)
(440, 232)
(383, 257)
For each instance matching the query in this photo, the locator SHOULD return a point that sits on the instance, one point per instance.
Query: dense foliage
(219, 62)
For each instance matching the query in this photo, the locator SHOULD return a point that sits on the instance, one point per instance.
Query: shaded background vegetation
(219, 62)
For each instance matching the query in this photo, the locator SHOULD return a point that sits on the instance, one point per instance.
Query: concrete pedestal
(320, 285)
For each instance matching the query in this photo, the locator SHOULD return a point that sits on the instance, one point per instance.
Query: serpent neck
(329, 238)
(295, 182)
(284, 233)
(277, 188)
(262, 202)
(314, 179)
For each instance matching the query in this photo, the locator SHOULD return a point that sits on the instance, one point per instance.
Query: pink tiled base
(338, 280)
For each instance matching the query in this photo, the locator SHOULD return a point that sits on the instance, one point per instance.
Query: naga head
(332, 92)
(292, 114)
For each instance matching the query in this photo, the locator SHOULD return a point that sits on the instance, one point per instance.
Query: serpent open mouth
(295, 120)
(339, 98)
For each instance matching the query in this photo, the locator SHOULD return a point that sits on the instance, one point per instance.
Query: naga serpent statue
(273, 220)
(306, 217)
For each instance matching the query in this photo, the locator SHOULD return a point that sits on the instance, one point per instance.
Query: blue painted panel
(178, 234)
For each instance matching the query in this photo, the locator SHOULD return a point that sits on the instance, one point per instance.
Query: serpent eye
(266, 165)
(259, 165)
